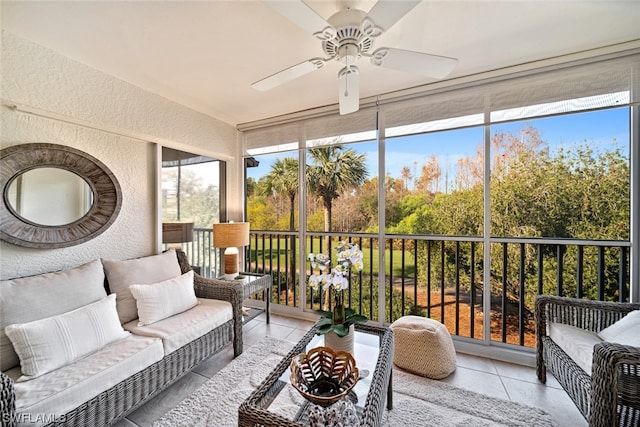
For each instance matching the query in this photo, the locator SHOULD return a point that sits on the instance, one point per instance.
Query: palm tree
(332, 170)
(283, 179)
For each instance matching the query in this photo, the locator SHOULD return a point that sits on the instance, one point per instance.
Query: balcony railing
(443, 277)
(201, 253)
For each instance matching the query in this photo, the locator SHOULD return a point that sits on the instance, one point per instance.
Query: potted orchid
(334, 279)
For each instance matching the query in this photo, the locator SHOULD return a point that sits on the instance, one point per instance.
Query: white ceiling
(206, 54)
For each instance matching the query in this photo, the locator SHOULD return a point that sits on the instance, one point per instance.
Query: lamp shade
(230, 234)
(177, 232)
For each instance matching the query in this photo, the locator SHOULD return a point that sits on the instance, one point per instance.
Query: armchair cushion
(625, 331)
(164, 299)
(50, 343)
(576, 342)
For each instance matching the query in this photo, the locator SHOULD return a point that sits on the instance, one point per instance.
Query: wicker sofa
(610, 396)
(118, 400)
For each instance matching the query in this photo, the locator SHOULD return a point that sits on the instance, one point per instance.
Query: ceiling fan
(349, 35)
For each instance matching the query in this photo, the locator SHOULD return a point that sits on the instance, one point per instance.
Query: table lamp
(230, 235)
(176, 233)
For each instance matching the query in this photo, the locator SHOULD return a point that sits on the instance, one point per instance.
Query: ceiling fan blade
(349, 90)
(385, 13)
(303, 16)
(434, 66)
(288, 74)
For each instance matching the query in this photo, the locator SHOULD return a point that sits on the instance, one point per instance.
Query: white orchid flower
(327, 282)
(322, 258)
(314, 281)
(349, 257)
(340, 283)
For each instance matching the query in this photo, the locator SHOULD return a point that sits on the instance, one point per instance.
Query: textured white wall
(38, 77)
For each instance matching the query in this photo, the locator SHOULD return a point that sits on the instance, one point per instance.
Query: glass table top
(277, 398)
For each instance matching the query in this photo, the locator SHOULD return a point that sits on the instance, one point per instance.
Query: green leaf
(324, 329)
(341, 330)
(357, 318)
(324, 321)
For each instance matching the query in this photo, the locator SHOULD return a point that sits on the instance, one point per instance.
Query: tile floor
(491, 377)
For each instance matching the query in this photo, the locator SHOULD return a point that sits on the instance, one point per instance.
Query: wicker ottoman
(423, 346)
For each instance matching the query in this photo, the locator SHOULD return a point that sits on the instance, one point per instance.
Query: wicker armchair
(611, 395)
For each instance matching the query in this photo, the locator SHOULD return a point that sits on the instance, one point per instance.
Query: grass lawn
(267, 253)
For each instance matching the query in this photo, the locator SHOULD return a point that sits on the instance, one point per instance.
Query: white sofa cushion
(64, 389)
(31, 298)
(625, 331)
(164, 299)
(182, 328)
(576, 342)
(145, 270)
(50, 343)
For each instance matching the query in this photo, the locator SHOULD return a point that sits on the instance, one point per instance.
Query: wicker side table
(252, 284)
(255, 283)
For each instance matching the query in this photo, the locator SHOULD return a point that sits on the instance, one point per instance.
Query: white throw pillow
(161, 300)
(145, 270)
(625, 331)
(48, 344)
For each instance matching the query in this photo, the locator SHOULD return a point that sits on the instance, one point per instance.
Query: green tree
(186, 198)
(251, 187)
(412, 211)
(581, 192)
(259, 214)
(368, 204)
(332, 170)
(394, 195)
(283, 179)
(575, 193)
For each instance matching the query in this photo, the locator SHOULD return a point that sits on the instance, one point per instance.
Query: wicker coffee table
(373, 353)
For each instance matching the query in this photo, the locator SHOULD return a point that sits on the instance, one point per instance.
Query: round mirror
(55, 196)
(49, 196)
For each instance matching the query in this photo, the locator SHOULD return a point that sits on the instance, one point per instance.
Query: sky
(600, 127)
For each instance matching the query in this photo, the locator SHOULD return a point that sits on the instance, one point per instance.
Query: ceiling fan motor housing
(354, 36)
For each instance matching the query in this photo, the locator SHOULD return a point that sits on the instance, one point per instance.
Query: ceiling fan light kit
(349, 35)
